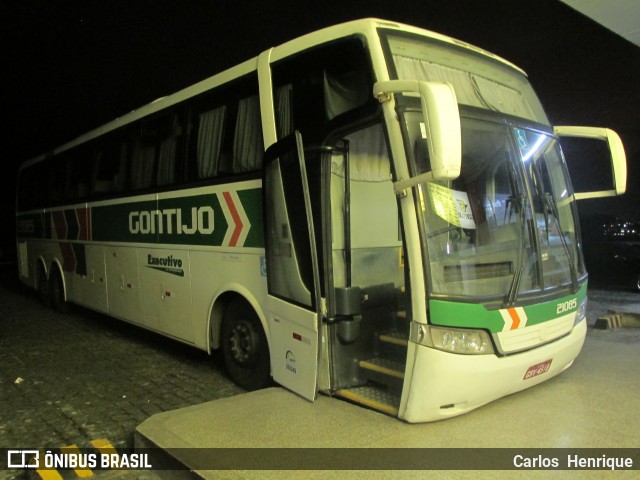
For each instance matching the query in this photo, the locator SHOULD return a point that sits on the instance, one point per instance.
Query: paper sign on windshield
(451, 205)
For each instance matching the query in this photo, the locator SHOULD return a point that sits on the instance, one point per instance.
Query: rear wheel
(56, 293)
(636, 285)
(42, 286)
(244, 347)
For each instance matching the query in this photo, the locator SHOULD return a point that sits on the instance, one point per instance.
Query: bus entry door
(292, 269)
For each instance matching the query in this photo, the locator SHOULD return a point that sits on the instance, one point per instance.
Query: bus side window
(283, 107)
(77, 168)
(100, 182)
(110, 159)
(224, 132)
(320, 84)
(205, 143)
(120, 179)
(248, 147)
(169, 151)
(148, 148)
(143, 159)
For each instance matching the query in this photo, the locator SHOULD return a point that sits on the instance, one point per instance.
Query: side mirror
(441, 121)
(617, 157)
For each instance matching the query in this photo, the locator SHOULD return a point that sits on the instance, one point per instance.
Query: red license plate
(537, 369)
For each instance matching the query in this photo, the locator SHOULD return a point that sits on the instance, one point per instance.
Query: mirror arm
(400, 187)
(441, 119)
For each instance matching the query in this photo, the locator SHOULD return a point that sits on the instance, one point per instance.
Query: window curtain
(502, 98)
(343, 92)
(248, 146)
(167, 156)
(368, 156)
(470, 89)
(142, 165)
(98, 184)
(413, 68)
(210, 129)
(284, 110)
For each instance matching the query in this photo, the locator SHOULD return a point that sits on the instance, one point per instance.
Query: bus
(373, 211)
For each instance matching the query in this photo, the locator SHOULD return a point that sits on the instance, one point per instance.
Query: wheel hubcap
(243, 344)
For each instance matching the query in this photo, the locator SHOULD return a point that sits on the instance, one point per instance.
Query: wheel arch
(40, 266)
(221, 301)
(56, 267)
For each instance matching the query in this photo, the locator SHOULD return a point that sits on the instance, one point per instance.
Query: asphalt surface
(72, 378)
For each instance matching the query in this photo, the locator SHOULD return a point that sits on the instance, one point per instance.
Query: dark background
(71, 65)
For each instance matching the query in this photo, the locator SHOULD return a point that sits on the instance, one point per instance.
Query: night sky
(69, 65)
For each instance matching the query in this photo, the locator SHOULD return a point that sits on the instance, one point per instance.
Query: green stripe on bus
(252, 202)
(468, 315)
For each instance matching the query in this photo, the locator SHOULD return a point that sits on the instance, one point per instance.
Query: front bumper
(440, 385)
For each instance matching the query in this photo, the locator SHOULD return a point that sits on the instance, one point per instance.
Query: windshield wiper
(550, 202)
(549, 205)
(517, 276)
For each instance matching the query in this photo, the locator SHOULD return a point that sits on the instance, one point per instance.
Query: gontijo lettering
(172, 220)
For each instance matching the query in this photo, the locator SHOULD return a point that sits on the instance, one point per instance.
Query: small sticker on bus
(537, 369)
(263, 266)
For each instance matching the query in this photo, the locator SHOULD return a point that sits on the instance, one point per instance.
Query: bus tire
(56, 293)
(244, 347)
(42, 286)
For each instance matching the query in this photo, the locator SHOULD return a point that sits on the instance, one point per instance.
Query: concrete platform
(594, 404)
(629, 314)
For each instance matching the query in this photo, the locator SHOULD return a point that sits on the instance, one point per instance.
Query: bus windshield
(507, 225)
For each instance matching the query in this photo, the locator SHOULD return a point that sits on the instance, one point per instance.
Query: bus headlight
(581, 314)
(455, 340)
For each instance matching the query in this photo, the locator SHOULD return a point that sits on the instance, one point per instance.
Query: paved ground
(72, 378)
(601, 301)
(69, 379)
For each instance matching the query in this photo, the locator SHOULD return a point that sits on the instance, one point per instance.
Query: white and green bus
(372, 211)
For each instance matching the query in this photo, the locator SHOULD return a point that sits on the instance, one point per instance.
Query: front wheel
(244, 347)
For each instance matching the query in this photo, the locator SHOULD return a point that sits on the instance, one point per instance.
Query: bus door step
(394, 338)
(373, 397)
(383, 366)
